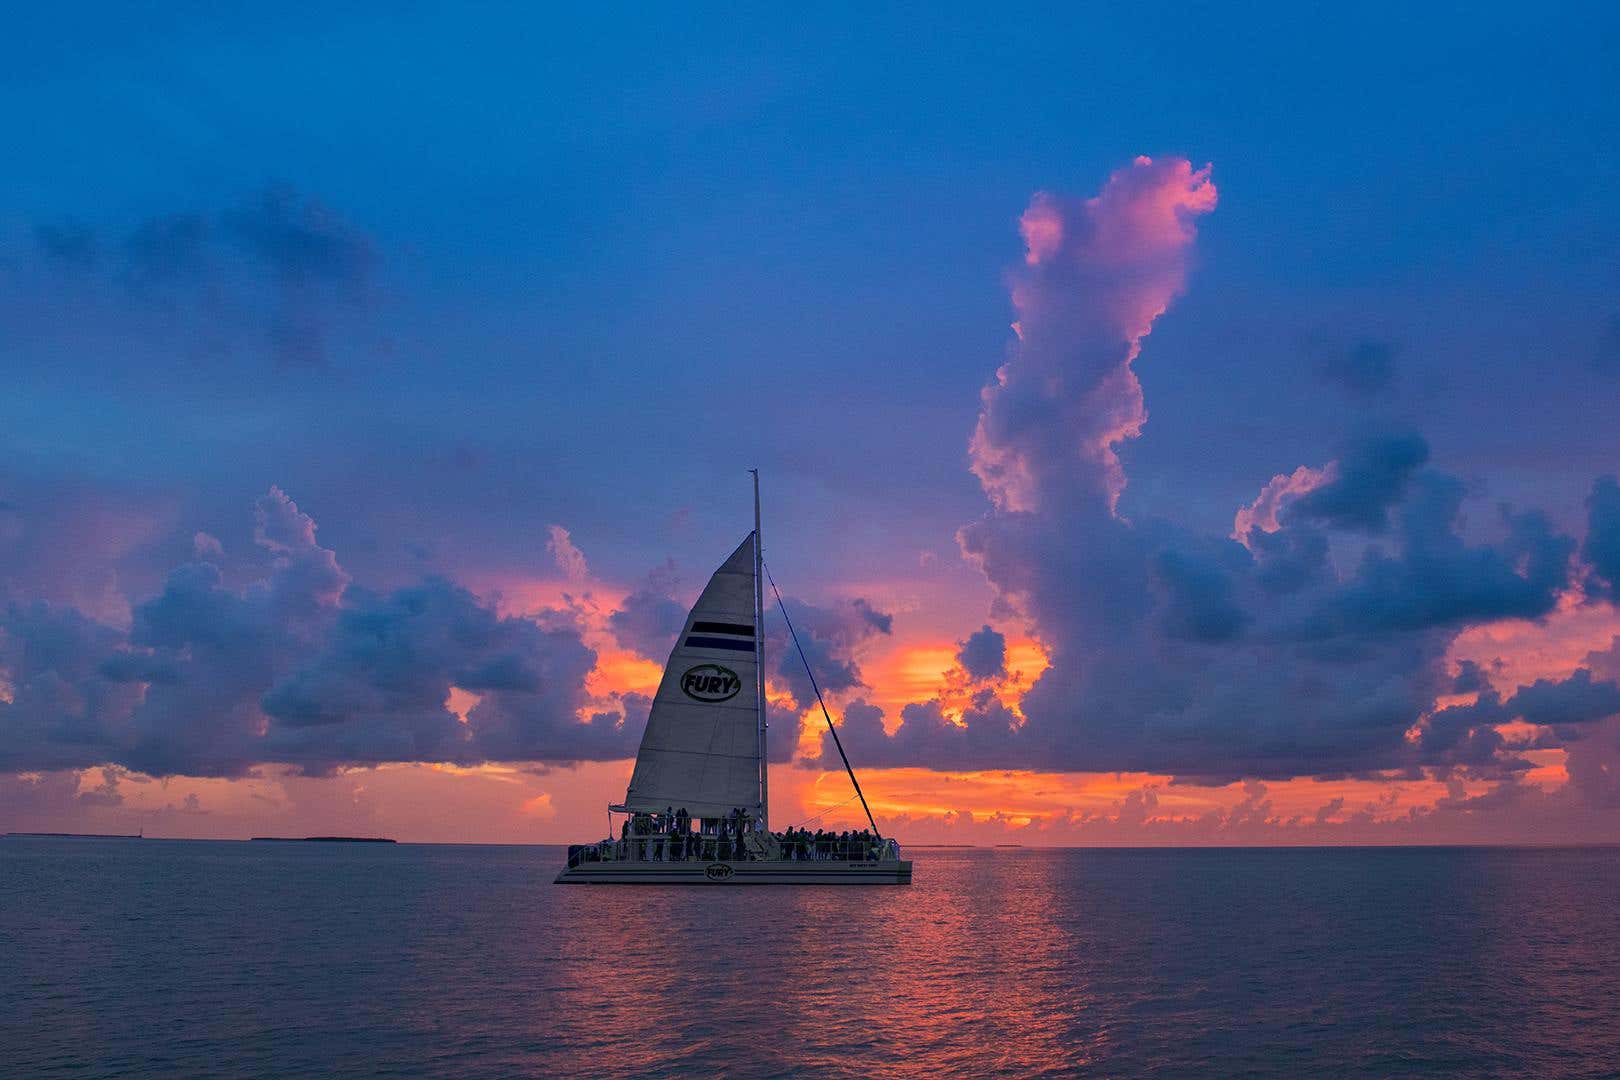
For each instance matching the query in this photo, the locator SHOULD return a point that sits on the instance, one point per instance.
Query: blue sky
(789, 218)
(448, 275)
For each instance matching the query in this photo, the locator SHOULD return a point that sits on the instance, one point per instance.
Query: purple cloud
(301, 667)
(1197, 655)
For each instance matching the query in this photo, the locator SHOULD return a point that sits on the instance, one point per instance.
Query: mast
(760, 742)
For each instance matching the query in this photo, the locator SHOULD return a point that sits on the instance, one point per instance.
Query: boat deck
(750, 872)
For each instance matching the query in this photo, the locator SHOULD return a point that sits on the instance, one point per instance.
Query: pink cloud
(570, 560)
(1281, 490)
(1096, 274)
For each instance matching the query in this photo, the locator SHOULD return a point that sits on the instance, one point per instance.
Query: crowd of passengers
(668, 837)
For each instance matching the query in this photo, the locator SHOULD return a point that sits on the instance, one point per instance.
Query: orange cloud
(1517, 652)
(914, 671)
(621, 672)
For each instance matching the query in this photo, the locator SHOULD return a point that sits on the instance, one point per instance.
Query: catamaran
(697, 809)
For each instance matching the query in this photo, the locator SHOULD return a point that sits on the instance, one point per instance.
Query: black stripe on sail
(723, 628)
(719, 643)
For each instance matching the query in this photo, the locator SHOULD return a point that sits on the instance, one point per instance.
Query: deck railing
(671, 848)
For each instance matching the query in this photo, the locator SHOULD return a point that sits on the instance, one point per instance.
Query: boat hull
(765, 872)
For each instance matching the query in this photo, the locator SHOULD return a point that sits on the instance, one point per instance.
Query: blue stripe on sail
(740, 629)
(719, 643)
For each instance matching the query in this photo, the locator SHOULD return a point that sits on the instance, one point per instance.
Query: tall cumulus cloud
(1312, 642)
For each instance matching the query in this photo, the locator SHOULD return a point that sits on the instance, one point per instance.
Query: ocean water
(167, 958)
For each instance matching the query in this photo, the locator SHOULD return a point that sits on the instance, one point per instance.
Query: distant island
(326, 839)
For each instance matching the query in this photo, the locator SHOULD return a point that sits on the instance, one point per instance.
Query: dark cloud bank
(300, 666)
(303, 666)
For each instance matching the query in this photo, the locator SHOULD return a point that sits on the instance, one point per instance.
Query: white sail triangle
(701, 749)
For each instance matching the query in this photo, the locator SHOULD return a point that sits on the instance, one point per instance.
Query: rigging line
(821, 815)
(819, 701)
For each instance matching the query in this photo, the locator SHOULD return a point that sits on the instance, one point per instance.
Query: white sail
(701, 749)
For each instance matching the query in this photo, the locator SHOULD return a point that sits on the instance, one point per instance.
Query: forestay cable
(819, 701)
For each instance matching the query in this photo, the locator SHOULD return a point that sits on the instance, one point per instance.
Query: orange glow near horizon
(518, 803)
(1062, 807)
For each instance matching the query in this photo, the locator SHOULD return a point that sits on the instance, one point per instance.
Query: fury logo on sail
(710, 682)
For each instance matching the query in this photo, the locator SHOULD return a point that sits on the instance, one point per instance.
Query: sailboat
(697, 808)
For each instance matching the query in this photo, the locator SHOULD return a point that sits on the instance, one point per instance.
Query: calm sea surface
(135, 958)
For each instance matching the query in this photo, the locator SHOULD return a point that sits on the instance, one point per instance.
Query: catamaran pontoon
(702, 760)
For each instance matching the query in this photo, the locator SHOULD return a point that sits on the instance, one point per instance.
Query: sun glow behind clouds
(515, 803)
(621, 672)
(913, 671)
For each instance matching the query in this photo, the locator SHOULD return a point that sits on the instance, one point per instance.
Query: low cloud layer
(300, 666)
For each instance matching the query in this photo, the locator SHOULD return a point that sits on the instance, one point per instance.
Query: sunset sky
(1176, 427)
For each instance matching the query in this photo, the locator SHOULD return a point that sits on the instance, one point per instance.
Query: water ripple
(177, 959)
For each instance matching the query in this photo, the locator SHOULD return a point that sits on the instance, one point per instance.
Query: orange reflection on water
(972, 970)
